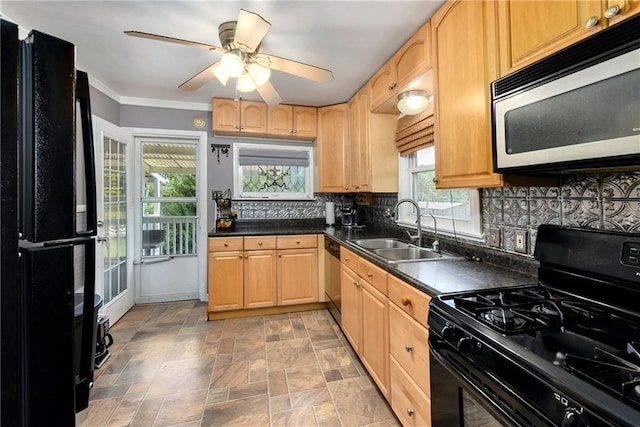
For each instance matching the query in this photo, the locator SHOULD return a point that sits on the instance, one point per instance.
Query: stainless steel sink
(412, 253)
(395, 251)
(380, 243)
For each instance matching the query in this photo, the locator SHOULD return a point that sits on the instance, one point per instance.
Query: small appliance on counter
(352, 217)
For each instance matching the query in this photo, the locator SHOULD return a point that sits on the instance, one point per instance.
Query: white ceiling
(351, 38)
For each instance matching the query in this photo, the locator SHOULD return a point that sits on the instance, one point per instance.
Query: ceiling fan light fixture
(232, 63)
(246, 83)
(259, 73)
(221, 74)
(413, 101)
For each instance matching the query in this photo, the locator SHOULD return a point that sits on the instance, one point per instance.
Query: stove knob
(448, 333)
(465, 345)
(573, 418)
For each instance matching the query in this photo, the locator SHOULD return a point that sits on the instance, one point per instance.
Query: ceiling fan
(242, 60)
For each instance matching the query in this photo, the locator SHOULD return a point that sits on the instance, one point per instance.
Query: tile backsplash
(604, 201)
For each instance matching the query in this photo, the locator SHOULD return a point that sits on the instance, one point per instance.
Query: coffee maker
(104, 340)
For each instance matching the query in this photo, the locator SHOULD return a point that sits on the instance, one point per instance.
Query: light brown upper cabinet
(464, 40)
(373, 164)
(292, 121)
(531, 30)
(410, 62)
(231, 117)
(332, 154)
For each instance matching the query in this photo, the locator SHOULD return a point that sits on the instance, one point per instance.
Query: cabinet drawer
(298, 241)
(254, 243)
(349, 259)
(375, 276)
(409, 344)
(411, 405)
(409, 299)
(225, 244)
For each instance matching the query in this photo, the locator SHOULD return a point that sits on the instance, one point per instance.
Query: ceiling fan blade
(175, 40)
(200, 79)
(250, 30)
(299, 69)
(269, 94)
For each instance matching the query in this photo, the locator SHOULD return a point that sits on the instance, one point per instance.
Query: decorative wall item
(220, 149)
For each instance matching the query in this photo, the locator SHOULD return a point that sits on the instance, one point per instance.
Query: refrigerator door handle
(82, 96)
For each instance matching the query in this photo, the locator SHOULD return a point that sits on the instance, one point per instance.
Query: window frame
(470, 229)
(238, 194)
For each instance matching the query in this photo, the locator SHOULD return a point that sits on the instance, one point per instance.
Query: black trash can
(79, 302)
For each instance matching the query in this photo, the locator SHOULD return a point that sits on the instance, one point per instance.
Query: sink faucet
(395, 215)
(435, 246)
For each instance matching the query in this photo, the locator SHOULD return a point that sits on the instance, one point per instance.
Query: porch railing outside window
(169, 235)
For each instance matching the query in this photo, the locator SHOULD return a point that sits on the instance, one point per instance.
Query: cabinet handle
(405, 301)
(346, 188)
(408, 347)
(297, 242)
(356, 284)
(259, 243)
(369, 275)
(240, 256)
(279, 255)
(591, 22)
(246, 256)
(347, 259)
(612, 11)
(435, 180)
(410, 412)
(226, 244)
(295, 131)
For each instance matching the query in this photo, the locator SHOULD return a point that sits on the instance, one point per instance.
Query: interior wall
(104, 106)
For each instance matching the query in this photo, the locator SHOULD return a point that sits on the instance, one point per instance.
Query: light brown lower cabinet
(410, 404)
(375, 336)
(262, 271)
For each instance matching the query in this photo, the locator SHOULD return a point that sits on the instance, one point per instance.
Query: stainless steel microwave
(578, 109)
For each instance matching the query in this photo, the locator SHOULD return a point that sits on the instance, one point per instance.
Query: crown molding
(147, 102)
(163, 103)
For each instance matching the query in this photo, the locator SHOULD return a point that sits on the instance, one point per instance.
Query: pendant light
(246, 83)
(232, 63)
(259, 73)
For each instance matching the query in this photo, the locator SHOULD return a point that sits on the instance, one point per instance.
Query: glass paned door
(115, 218)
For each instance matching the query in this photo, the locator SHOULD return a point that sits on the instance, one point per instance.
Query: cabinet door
(297, 276)
(305, 122)
(363, 160)
(226, 115)
(225, 281)
(382, 85)
(332, 174)
(375, 336)
(531, 30)
(280, 120)
(253, 117)
(414, 58)
(353, 161)
(464, 56)
(351, 294)
(259, 278)
(410, 404)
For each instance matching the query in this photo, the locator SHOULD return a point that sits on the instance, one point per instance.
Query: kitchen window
(272, 172)
(456, 210)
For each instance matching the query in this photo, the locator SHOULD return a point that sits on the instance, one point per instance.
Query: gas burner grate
(513, 310)
(613, 372)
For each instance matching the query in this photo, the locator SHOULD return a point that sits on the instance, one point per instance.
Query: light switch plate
(521, 241)
(494, 237)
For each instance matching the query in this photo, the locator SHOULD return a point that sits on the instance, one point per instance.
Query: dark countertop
(432, 277)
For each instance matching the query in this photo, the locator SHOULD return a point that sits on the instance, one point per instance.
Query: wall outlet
(521, 241)
(494, 237)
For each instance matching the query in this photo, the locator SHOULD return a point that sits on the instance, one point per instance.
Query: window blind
(415, 132)
(248, 156)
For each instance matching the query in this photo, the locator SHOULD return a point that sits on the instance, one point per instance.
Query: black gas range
(563, 351)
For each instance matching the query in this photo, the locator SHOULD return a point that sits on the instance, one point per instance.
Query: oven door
(455, 403)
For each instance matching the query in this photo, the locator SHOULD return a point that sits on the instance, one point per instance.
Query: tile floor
(169, 366)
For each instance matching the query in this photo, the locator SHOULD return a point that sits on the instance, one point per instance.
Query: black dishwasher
(332, 278)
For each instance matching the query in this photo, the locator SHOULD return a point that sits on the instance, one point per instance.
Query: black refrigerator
(48, 227)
